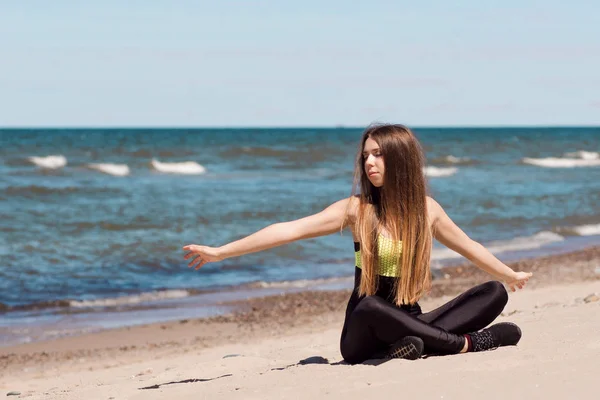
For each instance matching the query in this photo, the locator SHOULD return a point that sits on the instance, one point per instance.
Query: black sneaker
(502, 334)
(408, 348)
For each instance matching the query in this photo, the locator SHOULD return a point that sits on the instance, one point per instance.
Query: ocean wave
(300, 283)
(36, 306)
(502, 246)
(111, 169)
(131, 299)
(581, 230)
(554, 162)
(150, 153)
(437, 172)
(49, 162)
(584, 155)
(34, 190)
(452, 160)
(184, 168)
(575, 159)
(256, 152)
(132, 225)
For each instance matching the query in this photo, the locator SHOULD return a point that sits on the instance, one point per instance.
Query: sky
(298, 63)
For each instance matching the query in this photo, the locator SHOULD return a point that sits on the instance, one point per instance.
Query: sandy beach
(287, 347)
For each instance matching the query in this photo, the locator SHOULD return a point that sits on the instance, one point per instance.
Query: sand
(287, 347)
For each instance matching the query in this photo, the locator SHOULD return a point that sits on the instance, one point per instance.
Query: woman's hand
(518, 280)
(201, 255)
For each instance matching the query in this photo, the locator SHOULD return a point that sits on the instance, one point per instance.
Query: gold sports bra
(387, 258)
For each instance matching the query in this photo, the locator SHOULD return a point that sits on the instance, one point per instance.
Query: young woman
(393, 223)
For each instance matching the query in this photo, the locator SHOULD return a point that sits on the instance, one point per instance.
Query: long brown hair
(398, 207)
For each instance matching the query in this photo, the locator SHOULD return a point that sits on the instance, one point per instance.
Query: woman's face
(373, 162)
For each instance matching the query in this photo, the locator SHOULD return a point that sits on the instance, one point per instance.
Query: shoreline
(162, 297)
(30, 323)
(272, 316)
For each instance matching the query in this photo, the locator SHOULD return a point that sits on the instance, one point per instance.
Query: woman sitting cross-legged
(393, 223)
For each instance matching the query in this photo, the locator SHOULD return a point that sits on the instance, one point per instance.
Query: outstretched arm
(451, 236)
(328, 221)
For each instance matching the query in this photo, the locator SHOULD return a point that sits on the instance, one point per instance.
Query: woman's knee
(497, 291)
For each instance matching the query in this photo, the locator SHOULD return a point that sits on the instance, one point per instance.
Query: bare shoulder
(434, 210)
(431, 203)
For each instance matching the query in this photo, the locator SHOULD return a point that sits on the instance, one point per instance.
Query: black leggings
(373, 323)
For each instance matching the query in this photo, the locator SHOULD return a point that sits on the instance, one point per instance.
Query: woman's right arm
(328, 221)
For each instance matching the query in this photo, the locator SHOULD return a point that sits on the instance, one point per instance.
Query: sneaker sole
(407, 348)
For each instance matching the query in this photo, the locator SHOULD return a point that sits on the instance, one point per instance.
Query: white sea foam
(111, 169)
(579, 158)
(587, 230)
(131, 300)
(581, 230)
(184, 168)
(438, 172)
(49, 162)
(300, 283)
(525, 243)
(554, 162)
(584, 155)
(456, 160)
(502, 246)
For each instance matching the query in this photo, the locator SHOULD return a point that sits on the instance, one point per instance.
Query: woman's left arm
(451, 236)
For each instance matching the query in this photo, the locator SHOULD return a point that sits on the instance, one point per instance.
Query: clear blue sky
(302, 63)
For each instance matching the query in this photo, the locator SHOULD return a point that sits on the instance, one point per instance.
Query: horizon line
(240, 127)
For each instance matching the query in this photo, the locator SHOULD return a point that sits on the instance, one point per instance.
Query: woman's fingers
(200, 265)
(199, 255)
(197, 259)
(192, 247)
(521, 281)
(517, 285)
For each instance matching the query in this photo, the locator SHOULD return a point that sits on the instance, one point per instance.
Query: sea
(93, 221)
